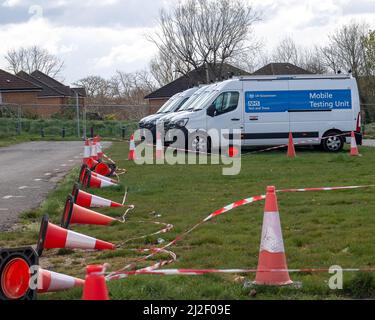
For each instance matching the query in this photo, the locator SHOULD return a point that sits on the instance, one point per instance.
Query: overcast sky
(98, 37)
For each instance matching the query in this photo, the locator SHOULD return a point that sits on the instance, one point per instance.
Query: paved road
(29, 171)
(369, 143)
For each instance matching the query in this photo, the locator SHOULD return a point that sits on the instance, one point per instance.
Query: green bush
(362, 286)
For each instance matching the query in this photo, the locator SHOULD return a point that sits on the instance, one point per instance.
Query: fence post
(63, 133)
(123, 129)
(42, 132)
(77, 107)
(92, 132)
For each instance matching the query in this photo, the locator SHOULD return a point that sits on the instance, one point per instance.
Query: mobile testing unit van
(317, 109)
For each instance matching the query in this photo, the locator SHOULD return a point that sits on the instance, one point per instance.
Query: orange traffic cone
(52, 236)
(95, 284)
(99, 147)
(291, 148)
(272, 252)
(88, 200)
(91, 181)
(75, 214)
(105, 169)
(233, 152)
(100, 176)
(354, 152)
(87, 160)
(159, 147)
(49, 281)
(132, 155)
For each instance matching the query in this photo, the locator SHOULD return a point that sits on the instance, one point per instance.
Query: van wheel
(332, 142)
(200, 144)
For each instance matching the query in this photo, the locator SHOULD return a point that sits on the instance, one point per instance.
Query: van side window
(226, 102)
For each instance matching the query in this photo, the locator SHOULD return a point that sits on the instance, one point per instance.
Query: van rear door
(266, 112)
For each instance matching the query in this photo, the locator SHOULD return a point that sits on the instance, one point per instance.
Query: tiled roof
(194, 78)
(47, 91)
(275, 69)
(10, 82)
(52, 83)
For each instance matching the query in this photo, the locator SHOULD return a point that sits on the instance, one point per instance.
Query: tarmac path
(29, 171)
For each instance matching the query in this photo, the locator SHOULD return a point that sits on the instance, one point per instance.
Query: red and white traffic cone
(132, 155)
(103, 169)
(100, 176)
(354, 152)
(88, 200)
(49, 281)
(91, 181)
(99, 147)
(159, 147)
(87, 160)
(291, 148)
(75, 214)
(272, 252)
(94, 151)
(95, 284)
(52, 236)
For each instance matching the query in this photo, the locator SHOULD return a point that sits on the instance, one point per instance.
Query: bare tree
(204, 32)
(162, 68)
(98, 89)
(287, 51)
(346, 50)
(32, 59)
(312, 60)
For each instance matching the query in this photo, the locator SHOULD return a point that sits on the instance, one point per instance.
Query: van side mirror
(211, 111)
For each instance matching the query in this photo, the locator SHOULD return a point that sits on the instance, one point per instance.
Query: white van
(267, 108)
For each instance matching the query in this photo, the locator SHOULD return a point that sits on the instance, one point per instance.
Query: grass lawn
(320, 229)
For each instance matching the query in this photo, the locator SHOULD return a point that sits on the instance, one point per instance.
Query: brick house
(15, 90)
(47, 97)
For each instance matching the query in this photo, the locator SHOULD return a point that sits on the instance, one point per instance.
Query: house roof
(10, 82)
(276, 69)
(81, 91)
(47, 91)
(52, 83)
(192, 79)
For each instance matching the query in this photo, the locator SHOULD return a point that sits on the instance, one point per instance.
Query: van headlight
(182, 123)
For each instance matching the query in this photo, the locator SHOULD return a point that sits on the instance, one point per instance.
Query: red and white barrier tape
(326, 189)
(200, 272)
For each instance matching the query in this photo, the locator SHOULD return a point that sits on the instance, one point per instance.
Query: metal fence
(70, 121)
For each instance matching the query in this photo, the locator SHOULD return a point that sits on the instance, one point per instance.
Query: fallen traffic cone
(95, 284)
(82, 173)
(159, 147)
(291, 148)
(354, 152)
(87, 159)
(52, 236)
(91, 181)
(88, 200)
(75, 214)
(132, 155)
(16, 273)
(100, 176)
(272, 253)
(49, 281)
(233, 152)
(105, 169)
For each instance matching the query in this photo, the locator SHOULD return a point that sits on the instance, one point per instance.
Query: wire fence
(70, 121)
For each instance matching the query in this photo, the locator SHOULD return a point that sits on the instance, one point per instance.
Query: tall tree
(287, 51)
(205, 32)
(32, 59)
(346, 49)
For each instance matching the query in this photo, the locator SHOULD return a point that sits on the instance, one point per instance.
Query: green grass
(370, 131)
(320, 229)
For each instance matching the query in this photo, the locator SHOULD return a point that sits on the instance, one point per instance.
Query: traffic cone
(354, 152)
(75, 214)
(88, 200)
(132, 155)
(94, 151)
(159, 147)
(52, 236)
(95, 284)
(82, 173)
(16, 273)
(49, 281)
(87, 159)
(291, 148)
(99, 147)
(233, 152)
(105, 169)
(91, 181)
(100, 176)
(272, 252)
